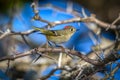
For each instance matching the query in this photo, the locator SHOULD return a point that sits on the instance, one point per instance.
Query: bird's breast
(59, 39)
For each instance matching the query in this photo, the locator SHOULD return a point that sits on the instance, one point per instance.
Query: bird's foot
(66, 52)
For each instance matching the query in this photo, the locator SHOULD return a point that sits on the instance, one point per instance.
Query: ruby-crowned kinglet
(57, 36)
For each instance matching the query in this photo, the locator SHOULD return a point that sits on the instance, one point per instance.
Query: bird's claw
(64, 50)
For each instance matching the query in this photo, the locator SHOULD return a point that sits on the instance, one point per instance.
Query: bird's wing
(55, 33)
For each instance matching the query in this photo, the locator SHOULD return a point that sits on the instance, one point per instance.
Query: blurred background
(105, 10)
(16, 15)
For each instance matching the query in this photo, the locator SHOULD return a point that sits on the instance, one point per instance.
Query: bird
(57, 36)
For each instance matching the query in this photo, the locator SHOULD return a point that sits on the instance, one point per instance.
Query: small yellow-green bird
(57, 36)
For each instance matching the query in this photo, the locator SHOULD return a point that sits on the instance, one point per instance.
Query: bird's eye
(71, 29)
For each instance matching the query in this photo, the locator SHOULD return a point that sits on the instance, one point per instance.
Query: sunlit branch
(107, 59)
(52, 24)
(9, 33)
(92, 18)
(59, 68)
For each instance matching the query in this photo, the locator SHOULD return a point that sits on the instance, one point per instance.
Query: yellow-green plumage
(58, 36)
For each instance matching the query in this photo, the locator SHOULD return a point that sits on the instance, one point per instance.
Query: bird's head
(70, 28)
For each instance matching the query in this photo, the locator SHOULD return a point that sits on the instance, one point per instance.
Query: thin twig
(8, 66)
(116, 20)
(8, 33)
(24, 39)
(111, 74)
(60, 68)
(60, 59)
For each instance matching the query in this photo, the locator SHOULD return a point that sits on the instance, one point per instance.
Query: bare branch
(60, 68)
(111, 73)
(8, 33)
(92, 18)
(52, 24)
(108, 58)
(79, 19)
